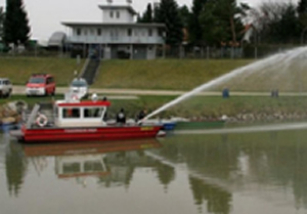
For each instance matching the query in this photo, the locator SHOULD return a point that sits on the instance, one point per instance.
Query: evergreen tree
(221, 20)
(214, 27)
(302, 7)
(302, 12)
(16, 23)
(168, 13)
(1, 22)
(184, 14)
(194, 26)
(147, 17)
(138, 18)
(234, 14)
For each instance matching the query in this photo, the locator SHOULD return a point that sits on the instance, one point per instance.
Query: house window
(111, 14)
(117, 14)
(69, 168)
(149, 32)
(85, 32)
(129, 32)
(91, 31)
(98, 31)
(78, 31)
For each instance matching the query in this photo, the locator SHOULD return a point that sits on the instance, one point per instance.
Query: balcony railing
(116, 40)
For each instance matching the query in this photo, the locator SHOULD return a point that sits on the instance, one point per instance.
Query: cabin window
(149, 32)
(71, 113)
(117, 14)
(71, 168)
(92, 112)
(111, 14)
(92, 166)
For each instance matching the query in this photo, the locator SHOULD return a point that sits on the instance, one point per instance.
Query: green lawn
(19, 69)
(162, 74)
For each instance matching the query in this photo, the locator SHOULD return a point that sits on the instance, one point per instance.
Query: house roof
(127, 7)
(101, 24)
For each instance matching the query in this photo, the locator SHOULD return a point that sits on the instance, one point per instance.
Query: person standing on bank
(121, 117)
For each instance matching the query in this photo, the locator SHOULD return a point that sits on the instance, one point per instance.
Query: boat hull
(85, 134)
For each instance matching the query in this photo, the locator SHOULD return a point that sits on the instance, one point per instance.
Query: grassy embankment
(157, 74)
(19, 69)
(136, 74)
(162, 74)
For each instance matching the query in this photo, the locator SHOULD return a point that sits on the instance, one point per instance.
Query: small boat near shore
(75, 120)
(188, 125)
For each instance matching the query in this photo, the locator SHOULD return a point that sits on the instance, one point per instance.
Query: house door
(139, 52)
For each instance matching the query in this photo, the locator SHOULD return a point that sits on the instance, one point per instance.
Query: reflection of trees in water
(166, 174)
(16, 166)
(282, 162)
(272, 158)
(217, 200)
(215, 156)
(122, 165)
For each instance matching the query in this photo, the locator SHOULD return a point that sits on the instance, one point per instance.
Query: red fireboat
(76, 120)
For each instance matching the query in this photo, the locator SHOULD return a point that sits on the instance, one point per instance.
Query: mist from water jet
(281, 60)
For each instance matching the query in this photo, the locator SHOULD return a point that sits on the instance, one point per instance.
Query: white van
(6, 87)
(79, 88)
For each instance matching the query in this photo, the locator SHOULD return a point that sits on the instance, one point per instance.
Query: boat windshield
(37, 80)
(78, 83)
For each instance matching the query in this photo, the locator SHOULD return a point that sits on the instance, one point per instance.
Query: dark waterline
(223, 173)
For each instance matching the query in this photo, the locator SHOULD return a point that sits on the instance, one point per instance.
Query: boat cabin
(74, 166)
(80, 113)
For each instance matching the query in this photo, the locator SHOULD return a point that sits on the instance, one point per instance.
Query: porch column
(131, 51)
(84, 51)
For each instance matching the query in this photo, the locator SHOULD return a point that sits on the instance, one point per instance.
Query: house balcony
(116, 40)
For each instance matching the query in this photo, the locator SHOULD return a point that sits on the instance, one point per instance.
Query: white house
(117, 35)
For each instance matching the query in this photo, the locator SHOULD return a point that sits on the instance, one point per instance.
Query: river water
(258, 172)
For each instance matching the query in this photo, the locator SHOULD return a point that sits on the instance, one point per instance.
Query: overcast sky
(46, 15)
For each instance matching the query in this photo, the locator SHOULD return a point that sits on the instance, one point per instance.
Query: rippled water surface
(258, 172)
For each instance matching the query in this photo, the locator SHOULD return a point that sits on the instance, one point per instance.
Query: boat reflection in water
(88, 159)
